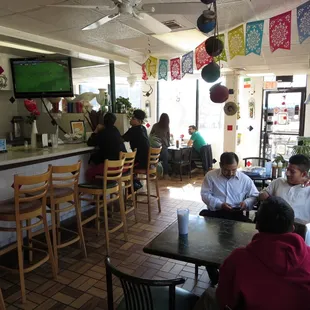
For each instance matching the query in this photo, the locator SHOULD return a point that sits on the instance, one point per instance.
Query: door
(284, 120)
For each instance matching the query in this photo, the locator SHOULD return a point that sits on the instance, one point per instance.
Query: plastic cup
(183, 219)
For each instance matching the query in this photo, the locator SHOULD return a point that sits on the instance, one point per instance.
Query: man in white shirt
(294, 189)
(228, 192)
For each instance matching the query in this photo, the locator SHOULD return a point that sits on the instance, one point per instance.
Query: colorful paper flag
(303, 21)
(175, 68)
(236, 42)
(202, 58)
(280, 31)
(222, 56)
(254, 37)
(151, 66)
(163, 69)
(144, 74)
(188, 63)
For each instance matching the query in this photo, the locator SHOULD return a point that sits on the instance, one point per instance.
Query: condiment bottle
(280, 167)
(177, 144)
(274, 170)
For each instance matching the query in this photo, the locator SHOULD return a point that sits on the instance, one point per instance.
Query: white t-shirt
(297, 196)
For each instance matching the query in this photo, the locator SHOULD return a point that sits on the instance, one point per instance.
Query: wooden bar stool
(149, 175)
(64, 190)
(127, 181)
(107, 188)
(28, 210)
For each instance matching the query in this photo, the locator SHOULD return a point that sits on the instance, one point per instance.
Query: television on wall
(42, 77)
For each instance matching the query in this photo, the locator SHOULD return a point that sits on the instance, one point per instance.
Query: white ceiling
(126, 38)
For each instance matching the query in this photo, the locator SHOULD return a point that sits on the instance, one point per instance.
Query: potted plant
(123, 105)
(302, 147)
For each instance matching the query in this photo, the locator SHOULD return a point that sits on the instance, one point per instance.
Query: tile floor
(81, 283)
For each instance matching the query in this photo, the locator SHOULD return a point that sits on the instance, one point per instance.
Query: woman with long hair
(162, 131)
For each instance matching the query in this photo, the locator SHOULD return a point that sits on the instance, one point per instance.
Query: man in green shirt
(196, 141)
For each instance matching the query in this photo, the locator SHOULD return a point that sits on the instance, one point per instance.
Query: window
(124, 90)
(178, 100)
(211, 118)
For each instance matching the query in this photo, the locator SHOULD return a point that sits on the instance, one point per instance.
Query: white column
(307, 118)
(230, 122)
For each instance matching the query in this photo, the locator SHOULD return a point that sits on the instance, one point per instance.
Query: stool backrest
(65, 176)
(129, 160)
(29, 189)
(153, 159)
(113, 170)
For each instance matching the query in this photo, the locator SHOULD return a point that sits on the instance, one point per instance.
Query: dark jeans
(233, 215)
(164, 159)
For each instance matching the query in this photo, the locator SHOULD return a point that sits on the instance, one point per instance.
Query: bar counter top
(17, 157)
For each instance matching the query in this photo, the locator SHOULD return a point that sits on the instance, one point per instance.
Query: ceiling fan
(123, 7)
(140, 14)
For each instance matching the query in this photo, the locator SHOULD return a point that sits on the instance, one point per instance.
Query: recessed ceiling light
(24, 47)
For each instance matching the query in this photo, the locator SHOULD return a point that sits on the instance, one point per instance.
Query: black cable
(54, 122)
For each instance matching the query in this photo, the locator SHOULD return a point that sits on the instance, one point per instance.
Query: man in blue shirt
(227, 193)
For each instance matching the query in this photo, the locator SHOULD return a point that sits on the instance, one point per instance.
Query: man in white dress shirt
(228, 192)
(294, 189)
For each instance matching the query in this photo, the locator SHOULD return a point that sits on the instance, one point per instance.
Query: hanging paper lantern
(207, 1)
(214, 46)
(206, 22)
(219, 93)
(211, 72)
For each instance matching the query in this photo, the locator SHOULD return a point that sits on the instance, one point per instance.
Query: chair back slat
(186, 154)
(65, 176)
(26, 186)
(137, 292)
(129, 159)
(113, 170)
(153, 158)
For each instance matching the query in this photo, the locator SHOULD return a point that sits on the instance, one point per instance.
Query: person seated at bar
(196, 141)
(271, 272)
(228, 192)
(162, 131)
(294, 189)
(108, 142)
(138, 139)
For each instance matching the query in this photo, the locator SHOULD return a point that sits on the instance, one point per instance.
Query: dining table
(208, 243)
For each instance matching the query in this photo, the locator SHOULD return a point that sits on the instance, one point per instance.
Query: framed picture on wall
(77, 127)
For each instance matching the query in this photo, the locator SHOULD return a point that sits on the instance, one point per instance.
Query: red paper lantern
(219, 93)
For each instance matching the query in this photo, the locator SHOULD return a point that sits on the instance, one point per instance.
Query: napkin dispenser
(3, 146)
(42, 140)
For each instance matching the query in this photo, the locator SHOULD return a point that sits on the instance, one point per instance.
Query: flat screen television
(39, 78)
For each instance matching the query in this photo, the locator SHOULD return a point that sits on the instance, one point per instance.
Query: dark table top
(209, 241)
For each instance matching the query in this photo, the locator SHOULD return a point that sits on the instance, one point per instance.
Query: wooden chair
(64, 190)
(127, 181)
(29, 204)
(2, 304)
(150, 174)
(106, 189)
(142, 294)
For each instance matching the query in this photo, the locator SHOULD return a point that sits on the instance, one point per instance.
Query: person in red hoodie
(271, 273)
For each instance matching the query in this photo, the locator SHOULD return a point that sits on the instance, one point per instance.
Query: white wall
(250, 140)
(230, 136)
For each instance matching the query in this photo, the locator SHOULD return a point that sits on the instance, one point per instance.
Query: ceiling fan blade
(180, 8)
(152, 24)
(101, 21)
(93, 7)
